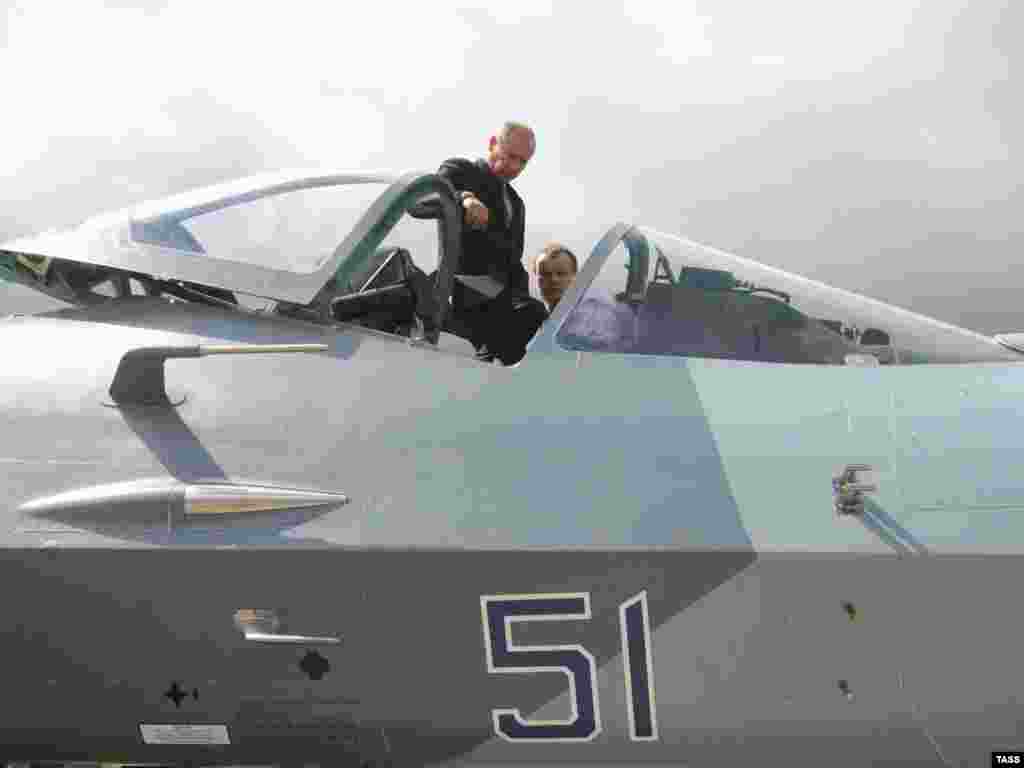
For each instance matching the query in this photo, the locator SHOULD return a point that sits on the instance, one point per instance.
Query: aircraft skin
(656, 535)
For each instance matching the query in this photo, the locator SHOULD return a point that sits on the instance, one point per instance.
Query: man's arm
(464, 177)
(500, 249)
(458, 171)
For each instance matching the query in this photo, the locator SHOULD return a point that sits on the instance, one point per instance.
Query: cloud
(282, 64)
(807, 133)
(727, 52)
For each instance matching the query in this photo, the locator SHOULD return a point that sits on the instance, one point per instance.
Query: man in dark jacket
(494, 225)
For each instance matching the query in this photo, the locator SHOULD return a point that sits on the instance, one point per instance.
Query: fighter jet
(262, 504)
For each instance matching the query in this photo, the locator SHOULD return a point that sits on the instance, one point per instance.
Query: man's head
(510, 150)
(556, 269)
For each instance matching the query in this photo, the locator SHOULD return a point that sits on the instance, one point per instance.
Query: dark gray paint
(568, 473)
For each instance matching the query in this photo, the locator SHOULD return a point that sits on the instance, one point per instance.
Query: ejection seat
(391, 294)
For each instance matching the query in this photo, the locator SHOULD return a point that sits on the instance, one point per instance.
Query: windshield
(295, 230)
(677, 297)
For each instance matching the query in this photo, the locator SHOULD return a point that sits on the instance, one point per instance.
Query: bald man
(493, 234)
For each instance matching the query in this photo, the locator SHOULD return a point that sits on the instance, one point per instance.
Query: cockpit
(657, 294)
(309, 245)
(382, 251)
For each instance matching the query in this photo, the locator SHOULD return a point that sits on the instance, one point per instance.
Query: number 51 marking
(576, 662)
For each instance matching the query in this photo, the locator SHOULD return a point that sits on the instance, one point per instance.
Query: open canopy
(280, 236)
(325, 245)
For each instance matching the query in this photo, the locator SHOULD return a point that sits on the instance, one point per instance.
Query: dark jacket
(497, 250)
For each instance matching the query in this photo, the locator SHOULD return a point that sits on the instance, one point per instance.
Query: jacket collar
(484, 166)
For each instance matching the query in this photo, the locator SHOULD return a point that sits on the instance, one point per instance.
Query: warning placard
(181, 733)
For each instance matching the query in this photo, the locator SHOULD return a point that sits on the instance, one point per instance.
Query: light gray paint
(706, 484)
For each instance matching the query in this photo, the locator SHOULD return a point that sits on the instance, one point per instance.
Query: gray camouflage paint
(707, 484)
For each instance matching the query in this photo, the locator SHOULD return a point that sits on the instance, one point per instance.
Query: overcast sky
(873, 145)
